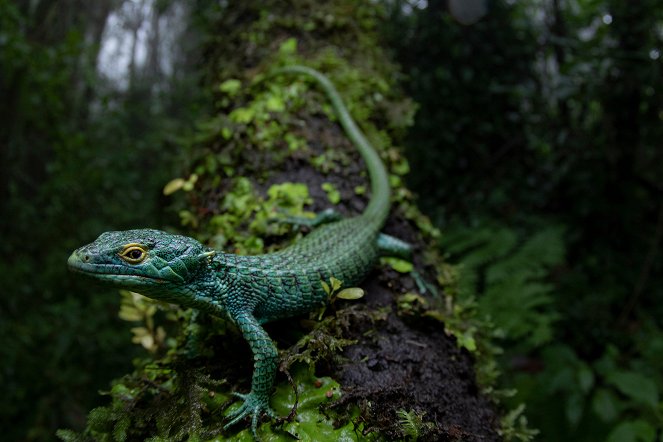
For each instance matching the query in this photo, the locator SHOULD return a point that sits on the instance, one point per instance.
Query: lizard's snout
(78, 258)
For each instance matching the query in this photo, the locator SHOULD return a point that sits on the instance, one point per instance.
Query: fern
(508, 276)
(412, 424)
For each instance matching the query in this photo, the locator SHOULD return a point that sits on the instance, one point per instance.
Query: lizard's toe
(253, 406)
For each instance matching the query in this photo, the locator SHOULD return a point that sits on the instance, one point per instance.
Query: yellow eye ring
(133, 253)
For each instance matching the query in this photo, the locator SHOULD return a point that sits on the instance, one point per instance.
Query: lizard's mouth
(111, 273)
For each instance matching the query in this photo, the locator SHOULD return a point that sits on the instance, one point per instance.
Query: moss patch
(272, 148)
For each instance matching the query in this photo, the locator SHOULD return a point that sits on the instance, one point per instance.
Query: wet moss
(271, 149)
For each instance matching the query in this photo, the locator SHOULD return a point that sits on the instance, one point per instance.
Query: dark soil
(397, 363)
(413, 366)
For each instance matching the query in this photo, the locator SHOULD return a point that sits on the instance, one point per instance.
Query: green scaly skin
(252, 290)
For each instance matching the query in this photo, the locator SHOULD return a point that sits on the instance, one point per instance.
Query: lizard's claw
(253, 406)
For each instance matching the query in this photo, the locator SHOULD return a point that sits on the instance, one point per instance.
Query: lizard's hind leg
(390, 246)
(325, 217)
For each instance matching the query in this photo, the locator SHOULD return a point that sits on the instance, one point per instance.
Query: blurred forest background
(536, 150)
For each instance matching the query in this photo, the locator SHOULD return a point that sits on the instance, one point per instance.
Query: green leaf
(636, 386)
(325, 287)
(574, 408)
(467, 340)
(605, 405)
(351, 293)
(310, 424)
(173, 186)
(188, 184)
(335, 283)
(275, 103)
(289, 46)
(130, 313)
(585, 378)
(67, 435)
(230, 87)
(400, 265)
(632, 431)
(242, 115)
(402, 167)
(332, 193)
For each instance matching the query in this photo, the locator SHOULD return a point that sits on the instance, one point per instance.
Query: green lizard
(253, 290)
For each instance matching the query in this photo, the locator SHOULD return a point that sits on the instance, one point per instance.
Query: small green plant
(333, 194)
(334, 292)
(138, 308)
(603, 399)
(513, 426)
(412, 424)
(507, 277)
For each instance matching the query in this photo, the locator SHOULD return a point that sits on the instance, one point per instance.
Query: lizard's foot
(253, 406)
(422, 284)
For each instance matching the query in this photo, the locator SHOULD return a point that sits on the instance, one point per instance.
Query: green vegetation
(534, 149)
(536, 146)
(167, 393)
(78, 156)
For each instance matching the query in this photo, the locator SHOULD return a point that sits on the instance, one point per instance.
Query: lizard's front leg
(265, 361)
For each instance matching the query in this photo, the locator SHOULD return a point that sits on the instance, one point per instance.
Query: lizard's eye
(133, 253)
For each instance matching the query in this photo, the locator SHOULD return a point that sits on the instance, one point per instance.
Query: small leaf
(188, 185)
(289, 46)
(467, 340)
(325, 287)
(585, 378)
(275, 104)
(636, 386)
(400, 265)
(130, 313)
(67, 435)
(173, 186)
(333, 194)
(335, 283)
(230, 87)
(574, 408)
(435, 314)
(605, 404)
(242, 115)
(351, 293)
(632, 431)
(402, 167)
(413, 297)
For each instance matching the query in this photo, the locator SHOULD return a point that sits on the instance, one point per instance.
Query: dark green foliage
(508, 278)
(542, 120)
(77, 157)
(259, 136)
(469, 84)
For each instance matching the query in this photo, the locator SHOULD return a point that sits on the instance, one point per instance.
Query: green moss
(333, 194)
(255, 129)
(309, 424)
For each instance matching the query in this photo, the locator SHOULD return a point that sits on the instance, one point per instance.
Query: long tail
(378, 207)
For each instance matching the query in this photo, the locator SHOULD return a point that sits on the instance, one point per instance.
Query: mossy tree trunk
(273, 146)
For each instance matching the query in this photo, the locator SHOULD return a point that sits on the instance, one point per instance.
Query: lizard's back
(289, 282)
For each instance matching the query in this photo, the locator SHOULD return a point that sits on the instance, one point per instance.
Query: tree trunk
(401, 372)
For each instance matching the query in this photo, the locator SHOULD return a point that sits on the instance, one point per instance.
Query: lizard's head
(147, 261)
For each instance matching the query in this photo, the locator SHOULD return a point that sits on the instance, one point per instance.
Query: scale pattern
(252, 290)
(289, 282)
